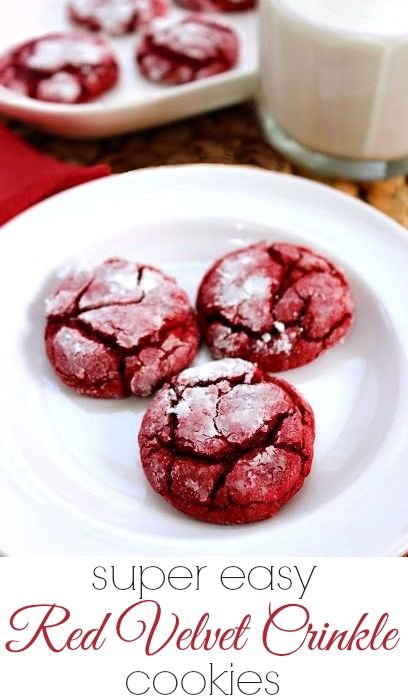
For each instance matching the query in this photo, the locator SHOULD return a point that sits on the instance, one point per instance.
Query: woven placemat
(230, 136)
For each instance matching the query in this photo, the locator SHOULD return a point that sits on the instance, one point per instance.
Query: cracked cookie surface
(278, 305)
(69, 68)
(188, 50)
(119, 329)
(227, 444)
(116, 17)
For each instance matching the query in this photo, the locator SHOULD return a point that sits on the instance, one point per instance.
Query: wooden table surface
(230, 136)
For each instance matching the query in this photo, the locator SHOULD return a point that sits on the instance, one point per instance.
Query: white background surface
(135, 103)
(70, 475)
(339, 592)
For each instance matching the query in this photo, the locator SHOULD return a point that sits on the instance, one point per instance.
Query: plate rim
(298, 180)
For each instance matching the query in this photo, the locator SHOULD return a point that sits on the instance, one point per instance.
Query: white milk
(334, 75)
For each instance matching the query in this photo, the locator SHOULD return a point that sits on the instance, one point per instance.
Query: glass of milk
(334, 84)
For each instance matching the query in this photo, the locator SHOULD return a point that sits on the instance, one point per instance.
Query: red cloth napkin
(28, 176)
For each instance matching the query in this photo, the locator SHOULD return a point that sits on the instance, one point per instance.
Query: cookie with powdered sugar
(64, 68)
(179, 52)
(115, 17)
(277, 305)
(227, 444)
(119, 329)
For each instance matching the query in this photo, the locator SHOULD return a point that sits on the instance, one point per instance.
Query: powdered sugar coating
(82, 360)
(195, 40)
(116, 282)
(260, 474)
(65, 68)
(116, 17)
(61, 87)
(187, 50)
(227, 444)
(64, 301)
(134, 321)
(222, 369)
(54, 53)
(278, 305)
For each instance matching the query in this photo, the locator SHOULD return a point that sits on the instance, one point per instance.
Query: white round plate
(70, 474)
(135, 103)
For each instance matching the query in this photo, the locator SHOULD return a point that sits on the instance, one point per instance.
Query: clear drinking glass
(334, 84)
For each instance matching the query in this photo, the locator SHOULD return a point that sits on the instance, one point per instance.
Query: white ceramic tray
(134, 103)
(70, 474)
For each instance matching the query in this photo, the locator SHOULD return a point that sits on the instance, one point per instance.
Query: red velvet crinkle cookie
(278, 305)
(188, 50)
(218, 5)
(115, 17)
(225, 443)
(64, 68)
(119, 329)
